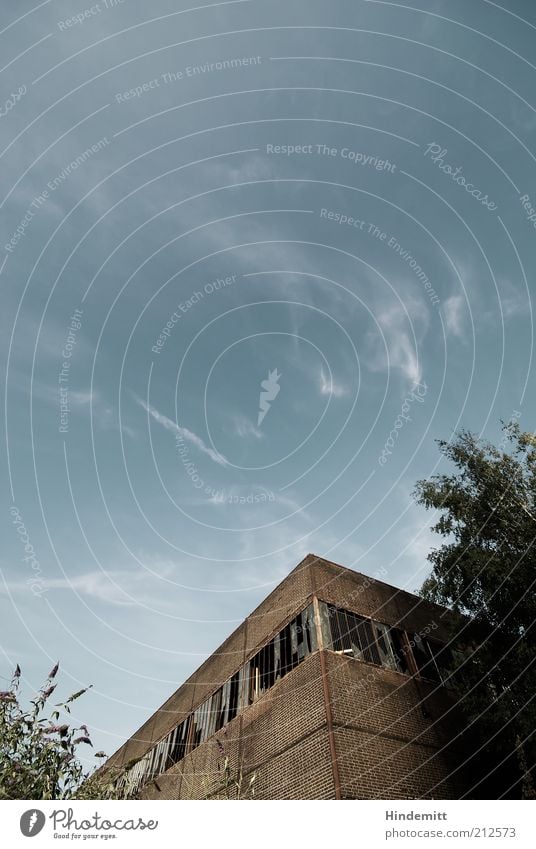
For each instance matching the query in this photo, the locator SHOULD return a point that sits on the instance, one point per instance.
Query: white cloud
(452, 311)
(80, 399)
(401, 339)
(98, 585)
(186, 434)
(126, 588)
(104, 417)
(329, 387)
(243, 427)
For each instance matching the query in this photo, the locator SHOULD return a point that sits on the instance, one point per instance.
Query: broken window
(181, 739)
(293, 644)
(146, 767)
(368, 643)
(152, 754)
(364, 639)
(391, 647)
(335, 638)
(273, 661)
(136, 776)
(385, 646)
(342, 631)
(263, 669)
(197, 728)
(424, 658)
(277, 658)
(205, 719)
(352, 635)
(308, 619)
(286, 653)
(222, 715)
(325, 624)
(171, 748)
(233, 697)
(346, 622)
(399, 649)
(433, 659)
(244, 687)
(215, 703)
(254, 679)
(160, 755)
(300, 631)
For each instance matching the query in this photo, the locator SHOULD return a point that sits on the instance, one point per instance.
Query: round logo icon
(31, 822)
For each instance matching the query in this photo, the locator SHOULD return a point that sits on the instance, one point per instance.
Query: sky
(256, 258)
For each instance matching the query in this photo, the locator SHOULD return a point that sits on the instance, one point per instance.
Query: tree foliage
(38, 748)
(486, 571)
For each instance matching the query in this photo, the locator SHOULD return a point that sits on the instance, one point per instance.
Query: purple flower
(6, 696)
(82, 740)
(56, 729)
(53, 671)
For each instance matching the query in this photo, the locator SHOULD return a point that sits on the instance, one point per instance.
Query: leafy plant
(38, 752)
(486, 571)
(229, 783)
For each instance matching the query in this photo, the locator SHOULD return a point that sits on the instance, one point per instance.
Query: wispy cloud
(243, 427)
(452, 311)
(80, 399)
(186, 434)
(402, 326)
(119, 587)
(328, 386)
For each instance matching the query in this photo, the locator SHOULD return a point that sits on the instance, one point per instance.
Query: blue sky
(333, 199)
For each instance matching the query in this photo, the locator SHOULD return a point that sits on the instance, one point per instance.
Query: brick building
(333, 688)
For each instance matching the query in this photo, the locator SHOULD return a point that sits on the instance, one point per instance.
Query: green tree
(486, 572)
(38, 750)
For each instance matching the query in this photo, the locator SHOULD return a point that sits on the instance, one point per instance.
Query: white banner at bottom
(412, 824)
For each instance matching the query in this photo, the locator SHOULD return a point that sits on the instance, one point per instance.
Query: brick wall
(386, 746)
(268, 734)
(287, 598)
